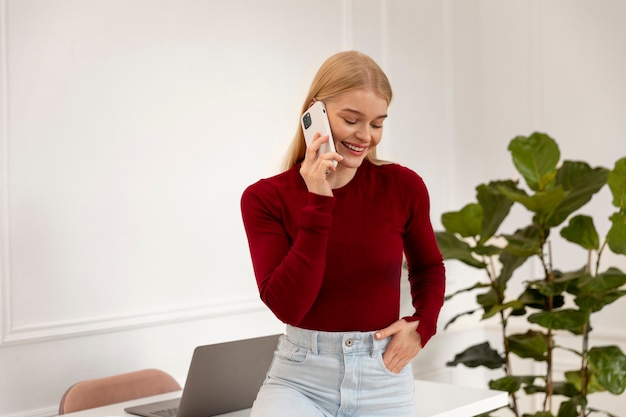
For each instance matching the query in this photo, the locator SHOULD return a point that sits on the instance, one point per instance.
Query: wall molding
(39, 412)
(115, 323)
(5, 313)
(347, 24)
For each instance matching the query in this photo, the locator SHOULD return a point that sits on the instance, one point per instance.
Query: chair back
(115, 389)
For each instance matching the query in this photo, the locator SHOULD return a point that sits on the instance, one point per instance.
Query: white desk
(433, 400)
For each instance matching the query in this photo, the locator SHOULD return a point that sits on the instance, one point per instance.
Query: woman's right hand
(315, 171)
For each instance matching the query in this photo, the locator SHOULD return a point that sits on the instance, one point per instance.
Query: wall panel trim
(40, 412)
(106, 324)
(5, 313)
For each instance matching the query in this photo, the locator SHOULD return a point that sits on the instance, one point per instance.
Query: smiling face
(356, 120)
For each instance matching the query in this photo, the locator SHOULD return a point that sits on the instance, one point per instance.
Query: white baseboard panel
(97, 325)
(41, 412)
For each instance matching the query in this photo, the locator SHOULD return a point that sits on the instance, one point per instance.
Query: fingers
(319, 165)
(316, 144)
(315, 169)
(388, 331)
(315, 150)
(404, 345)
(398, 356)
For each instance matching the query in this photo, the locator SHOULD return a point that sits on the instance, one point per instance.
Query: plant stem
(508, 368)
(549, 277)
(599, 256)
(584, 371)
(584, 366)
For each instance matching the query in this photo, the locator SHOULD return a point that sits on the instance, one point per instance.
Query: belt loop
(314, 336)
(374, 345)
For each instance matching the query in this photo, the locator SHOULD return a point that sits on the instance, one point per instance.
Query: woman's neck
(341, 177)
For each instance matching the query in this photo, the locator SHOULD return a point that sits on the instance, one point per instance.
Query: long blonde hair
(342, 72)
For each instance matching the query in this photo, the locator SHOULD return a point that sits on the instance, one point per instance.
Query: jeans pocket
(381, 364)
(289, 352)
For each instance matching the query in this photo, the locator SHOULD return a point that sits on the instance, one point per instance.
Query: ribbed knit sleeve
(424, 260)
(289, 269)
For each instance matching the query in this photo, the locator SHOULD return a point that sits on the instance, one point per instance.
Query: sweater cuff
(425, 330)
(318, 211)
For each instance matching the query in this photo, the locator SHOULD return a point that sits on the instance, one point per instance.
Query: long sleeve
(289, 269)
(424, 260)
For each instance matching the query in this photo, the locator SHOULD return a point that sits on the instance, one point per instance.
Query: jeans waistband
(346, 342)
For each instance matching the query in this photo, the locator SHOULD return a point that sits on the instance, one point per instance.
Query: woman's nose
(364, 133)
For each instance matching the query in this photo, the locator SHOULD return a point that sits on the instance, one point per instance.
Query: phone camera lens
(306, 120)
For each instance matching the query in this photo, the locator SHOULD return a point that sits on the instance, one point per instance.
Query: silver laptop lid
(222, 378)
(226, 377)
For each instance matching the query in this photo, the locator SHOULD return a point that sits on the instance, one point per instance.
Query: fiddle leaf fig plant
(556, 302)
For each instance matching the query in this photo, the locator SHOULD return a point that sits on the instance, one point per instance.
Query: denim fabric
(323, 374)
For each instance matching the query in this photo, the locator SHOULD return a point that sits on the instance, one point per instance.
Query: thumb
(390, 330)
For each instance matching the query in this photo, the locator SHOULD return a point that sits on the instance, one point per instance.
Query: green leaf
(616, 238)
(594, 303)
(487, 299)
(573, 278)
(617, 184)
(487, 250)
(453, 319)
(543, 203)
(476, 286)
(609, 365)
(509, 262)
(510, 383)
(514, 305)
(568, 409)
(452, 247)
(611, 279)
(521, 245)
(532, 344)
(478, 355)
(581, 231)
(535, 157)
(524, 243)
(550, 288)
(573, 321)
(495, 207)
(467, 222)
(558, 388)
(580, 183)
(533, 298)
(595, 410)
(575, 379)
(594, 293)
(564, 388)
(539, 414)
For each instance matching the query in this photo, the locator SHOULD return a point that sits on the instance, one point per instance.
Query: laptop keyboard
(168, 412)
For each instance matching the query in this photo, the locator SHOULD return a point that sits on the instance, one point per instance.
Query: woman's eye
(350, 122)
(377, 126)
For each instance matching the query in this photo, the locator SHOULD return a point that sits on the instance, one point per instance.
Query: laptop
(222, 378)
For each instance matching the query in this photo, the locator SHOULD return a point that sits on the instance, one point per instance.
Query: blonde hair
(342, 72)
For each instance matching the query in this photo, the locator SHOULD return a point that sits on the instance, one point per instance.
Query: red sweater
(334, 263)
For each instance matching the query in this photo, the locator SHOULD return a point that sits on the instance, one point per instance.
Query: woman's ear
(313, 100)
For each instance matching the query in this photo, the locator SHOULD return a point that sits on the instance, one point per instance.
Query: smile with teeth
(354, 148)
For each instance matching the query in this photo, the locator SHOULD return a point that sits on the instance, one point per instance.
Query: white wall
(130, 128)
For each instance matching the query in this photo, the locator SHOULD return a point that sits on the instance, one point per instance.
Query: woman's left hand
(404, 345)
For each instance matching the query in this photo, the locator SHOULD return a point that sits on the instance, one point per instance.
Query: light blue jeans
(323, 374)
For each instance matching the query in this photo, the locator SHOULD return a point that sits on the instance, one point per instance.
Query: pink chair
(116, 389)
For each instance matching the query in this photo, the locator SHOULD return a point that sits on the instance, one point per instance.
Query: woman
(327, 247)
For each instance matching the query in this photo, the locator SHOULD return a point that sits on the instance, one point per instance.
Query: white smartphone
(315, 120)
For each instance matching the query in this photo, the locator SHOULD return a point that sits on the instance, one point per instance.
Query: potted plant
(557, 302)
